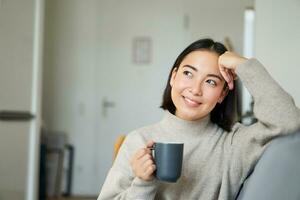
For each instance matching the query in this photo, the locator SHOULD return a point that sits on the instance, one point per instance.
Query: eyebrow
(195, 69)
(216, 76)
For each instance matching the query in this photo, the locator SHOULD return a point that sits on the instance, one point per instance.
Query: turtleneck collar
(179, 126)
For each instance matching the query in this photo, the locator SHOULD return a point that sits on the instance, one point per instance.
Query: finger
(222, 68)
(149, 150)
(140, 153)
(135, 158)
(231, 83)
(150, 144)
(141, 165)
(233, 74)
(228, 76)
(225, 75)
(147, 163)
(149, 171)
(144, 159)
(145, 170)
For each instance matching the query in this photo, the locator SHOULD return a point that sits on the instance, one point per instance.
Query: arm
(121, 183)
(273, 107)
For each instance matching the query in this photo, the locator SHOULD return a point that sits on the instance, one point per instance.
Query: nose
(196, 89)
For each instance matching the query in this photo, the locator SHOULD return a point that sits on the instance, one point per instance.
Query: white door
(20, 25)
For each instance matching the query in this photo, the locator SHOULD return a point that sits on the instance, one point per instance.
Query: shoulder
(144, 133)
(138, 138)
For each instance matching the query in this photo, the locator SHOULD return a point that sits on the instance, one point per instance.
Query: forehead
(201, 60)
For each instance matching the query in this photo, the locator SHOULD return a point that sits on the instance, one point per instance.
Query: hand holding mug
(166, 164)
(142, 163)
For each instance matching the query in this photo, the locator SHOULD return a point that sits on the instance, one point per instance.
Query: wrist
(240, 61)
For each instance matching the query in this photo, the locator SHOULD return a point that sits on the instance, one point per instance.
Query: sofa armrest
(277, 174)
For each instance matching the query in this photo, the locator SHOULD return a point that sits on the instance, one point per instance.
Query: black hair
(223, 113)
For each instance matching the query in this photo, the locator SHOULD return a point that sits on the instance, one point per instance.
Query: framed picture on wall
(142, 50)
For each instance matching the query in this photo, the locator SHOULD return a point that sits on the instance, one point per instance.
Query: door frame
(36, 97)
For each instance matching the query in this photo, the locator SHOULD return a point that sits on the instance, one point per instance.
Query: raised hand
(227, 64)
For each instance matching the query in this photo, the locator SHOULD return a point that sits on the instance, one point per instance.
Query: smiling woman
(218, 154)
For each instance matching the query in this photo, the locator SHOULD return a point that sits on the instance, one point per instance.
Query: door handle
(10, 115)
(105, 105)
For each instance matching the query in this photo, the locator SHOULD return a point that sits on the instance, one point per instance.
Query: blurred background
(77, 74)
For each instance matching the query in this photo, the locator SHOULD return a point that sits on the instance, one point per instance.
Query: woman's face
(197, 85)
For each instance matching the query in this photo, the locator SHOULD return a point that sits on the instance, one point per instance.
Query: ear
(174, 72)
(223, 95)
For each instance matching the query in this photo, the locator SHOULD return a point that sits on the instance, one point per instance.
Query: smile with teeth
(191, 102)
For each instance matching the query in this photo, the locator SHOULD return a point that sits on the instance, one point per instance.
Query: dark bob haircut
(224, 113)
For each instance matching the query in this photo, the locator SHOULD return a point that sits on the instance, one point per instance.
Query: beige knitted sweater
(215, 162)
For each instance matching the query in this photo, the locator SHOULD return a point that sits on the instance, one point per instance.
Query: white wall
(217, 19)
(88, 56)
(277, 41)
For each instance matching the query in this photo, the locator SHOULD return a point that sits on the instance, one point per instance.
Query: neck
(181, 126)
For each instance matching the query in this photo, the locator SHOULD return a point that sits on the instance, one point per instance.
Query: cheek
(213, 94)
(180, 84)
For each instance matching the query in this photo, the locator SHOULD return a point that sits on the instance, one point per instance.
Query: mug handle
(152, 151)
(153, 155)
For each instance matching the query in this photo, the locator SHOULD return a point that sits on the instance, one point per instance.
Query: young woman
(198, 104)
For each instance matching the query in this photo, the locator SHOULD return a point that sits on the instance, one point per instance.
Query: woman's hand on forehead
(227, 65)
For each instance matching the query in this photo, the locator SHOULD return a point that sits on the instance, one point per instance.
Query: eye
(187, 73)
(211, 82)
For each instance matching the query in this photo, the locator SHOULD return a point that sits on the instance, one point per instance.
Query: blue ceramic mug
(168, 160)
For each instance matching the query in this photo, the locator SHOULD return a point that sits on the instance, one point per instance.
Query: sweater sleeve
(274, 109)
(121, 183)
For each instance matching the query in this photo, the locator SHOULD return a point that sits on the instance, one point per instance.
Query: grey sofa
(277, 173)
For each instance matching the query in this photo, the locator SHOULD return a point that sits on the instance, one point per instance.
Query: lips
(191, 102)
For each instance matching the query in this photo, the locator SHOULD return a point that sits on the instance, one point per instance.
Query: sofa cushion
(277, 173)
